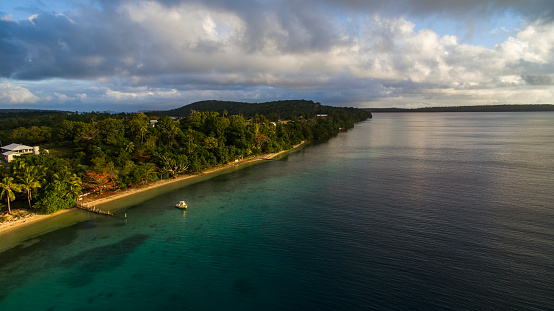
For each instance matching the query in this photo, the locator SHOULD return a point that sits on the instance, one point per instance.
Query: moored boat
(181, 205)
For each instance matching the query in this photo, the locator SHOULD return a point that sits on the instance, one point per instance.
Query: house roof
(13, 147)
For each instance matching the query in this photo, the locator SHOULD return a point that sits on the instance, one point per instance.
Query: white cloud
(6, 18)
(535, 43)
(139, 51)
(13, 94)
(141, 93)
(62, 98)
(32, 17)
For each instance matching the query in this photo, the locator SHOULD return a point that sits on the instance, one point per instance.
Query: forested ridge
(480, 108)
(97, 152)
(283, 109)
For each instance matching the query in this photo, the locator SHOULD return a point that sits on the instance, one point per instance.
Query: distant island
(484, 108)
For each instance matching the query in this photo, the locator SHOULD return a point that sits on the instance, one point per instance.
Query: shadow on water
(19, 264)
(99, 259)
(53, 239)
(14, 269)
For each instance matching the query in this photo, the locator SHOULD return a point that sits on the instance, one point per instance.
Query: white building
(14, 150)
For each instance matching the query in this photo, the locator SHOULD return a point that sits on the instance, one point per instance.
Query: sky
(123, 55)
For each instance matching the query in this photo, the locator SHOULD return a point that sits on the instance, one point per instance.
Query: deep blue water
(412, 211)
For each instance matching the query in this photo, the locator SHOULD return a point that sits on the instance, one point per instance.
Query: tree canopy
(96, 152)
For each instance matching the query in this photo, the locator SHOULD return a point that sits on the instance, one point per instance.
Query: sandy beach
(26, 221)
(32, 218)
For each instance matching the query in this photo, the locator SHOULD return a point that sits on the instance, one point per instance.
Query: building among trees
(13, 150)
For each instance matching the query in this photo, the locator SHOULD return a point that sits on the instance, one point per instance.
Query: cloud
(6, 18)
(142, 93)
(13, 94)
(345, 52)
(539, 80)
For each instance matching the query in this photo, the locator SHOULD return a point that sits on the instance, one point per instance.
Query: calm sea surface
(412, 211)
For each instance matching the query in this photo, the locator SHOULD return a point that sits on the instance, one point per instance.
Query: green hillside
(283, 109)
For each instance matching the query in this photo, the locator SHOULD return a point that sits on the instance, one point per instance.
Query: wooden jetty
(93, 209)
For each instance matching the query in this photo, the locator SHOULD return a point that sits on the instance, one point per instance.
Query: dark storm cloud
(531, 9)
(11, 53)
(57, 46)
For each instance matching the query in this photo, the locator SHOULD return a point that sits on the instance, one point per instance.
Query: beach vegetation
(29, 177)
(9, 188)
(57, 196)
(95, 152)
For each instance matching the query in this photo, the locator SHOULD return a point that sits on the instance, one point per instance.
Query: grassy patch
(58, 150)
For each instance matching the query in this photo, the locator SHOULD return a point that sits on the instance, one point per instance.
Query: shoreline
(7, 227)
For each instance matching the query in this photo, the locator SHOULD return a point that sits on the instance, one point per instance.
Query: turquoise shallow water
(411, 211)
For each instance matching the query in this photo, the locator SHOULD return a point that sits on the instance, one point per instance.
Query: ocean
(407, 211)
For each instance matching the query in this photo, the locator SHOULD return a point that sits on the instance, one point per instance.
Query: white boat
(181, 205)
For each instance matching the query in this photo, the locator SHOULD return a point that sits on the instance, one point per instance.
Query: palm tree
(142, 131)
(75, 186)
(30, 179)
(171, 131)
(130, 147)
(168, 129)
(8, 187)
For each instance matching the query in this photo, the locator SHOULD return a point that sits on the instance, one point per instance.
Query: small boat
(181, 205)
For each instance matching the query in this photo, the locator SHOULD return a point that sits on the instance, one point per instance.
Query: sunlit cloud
(362, 53)
(13, 94)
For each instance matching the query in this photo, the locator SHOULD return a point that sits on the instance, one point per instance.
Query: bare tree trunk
(29, 198)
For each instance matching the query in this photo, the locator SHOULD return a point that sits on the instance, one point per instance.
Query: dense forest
(97, 152)
(273, 111)
(483, 108)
